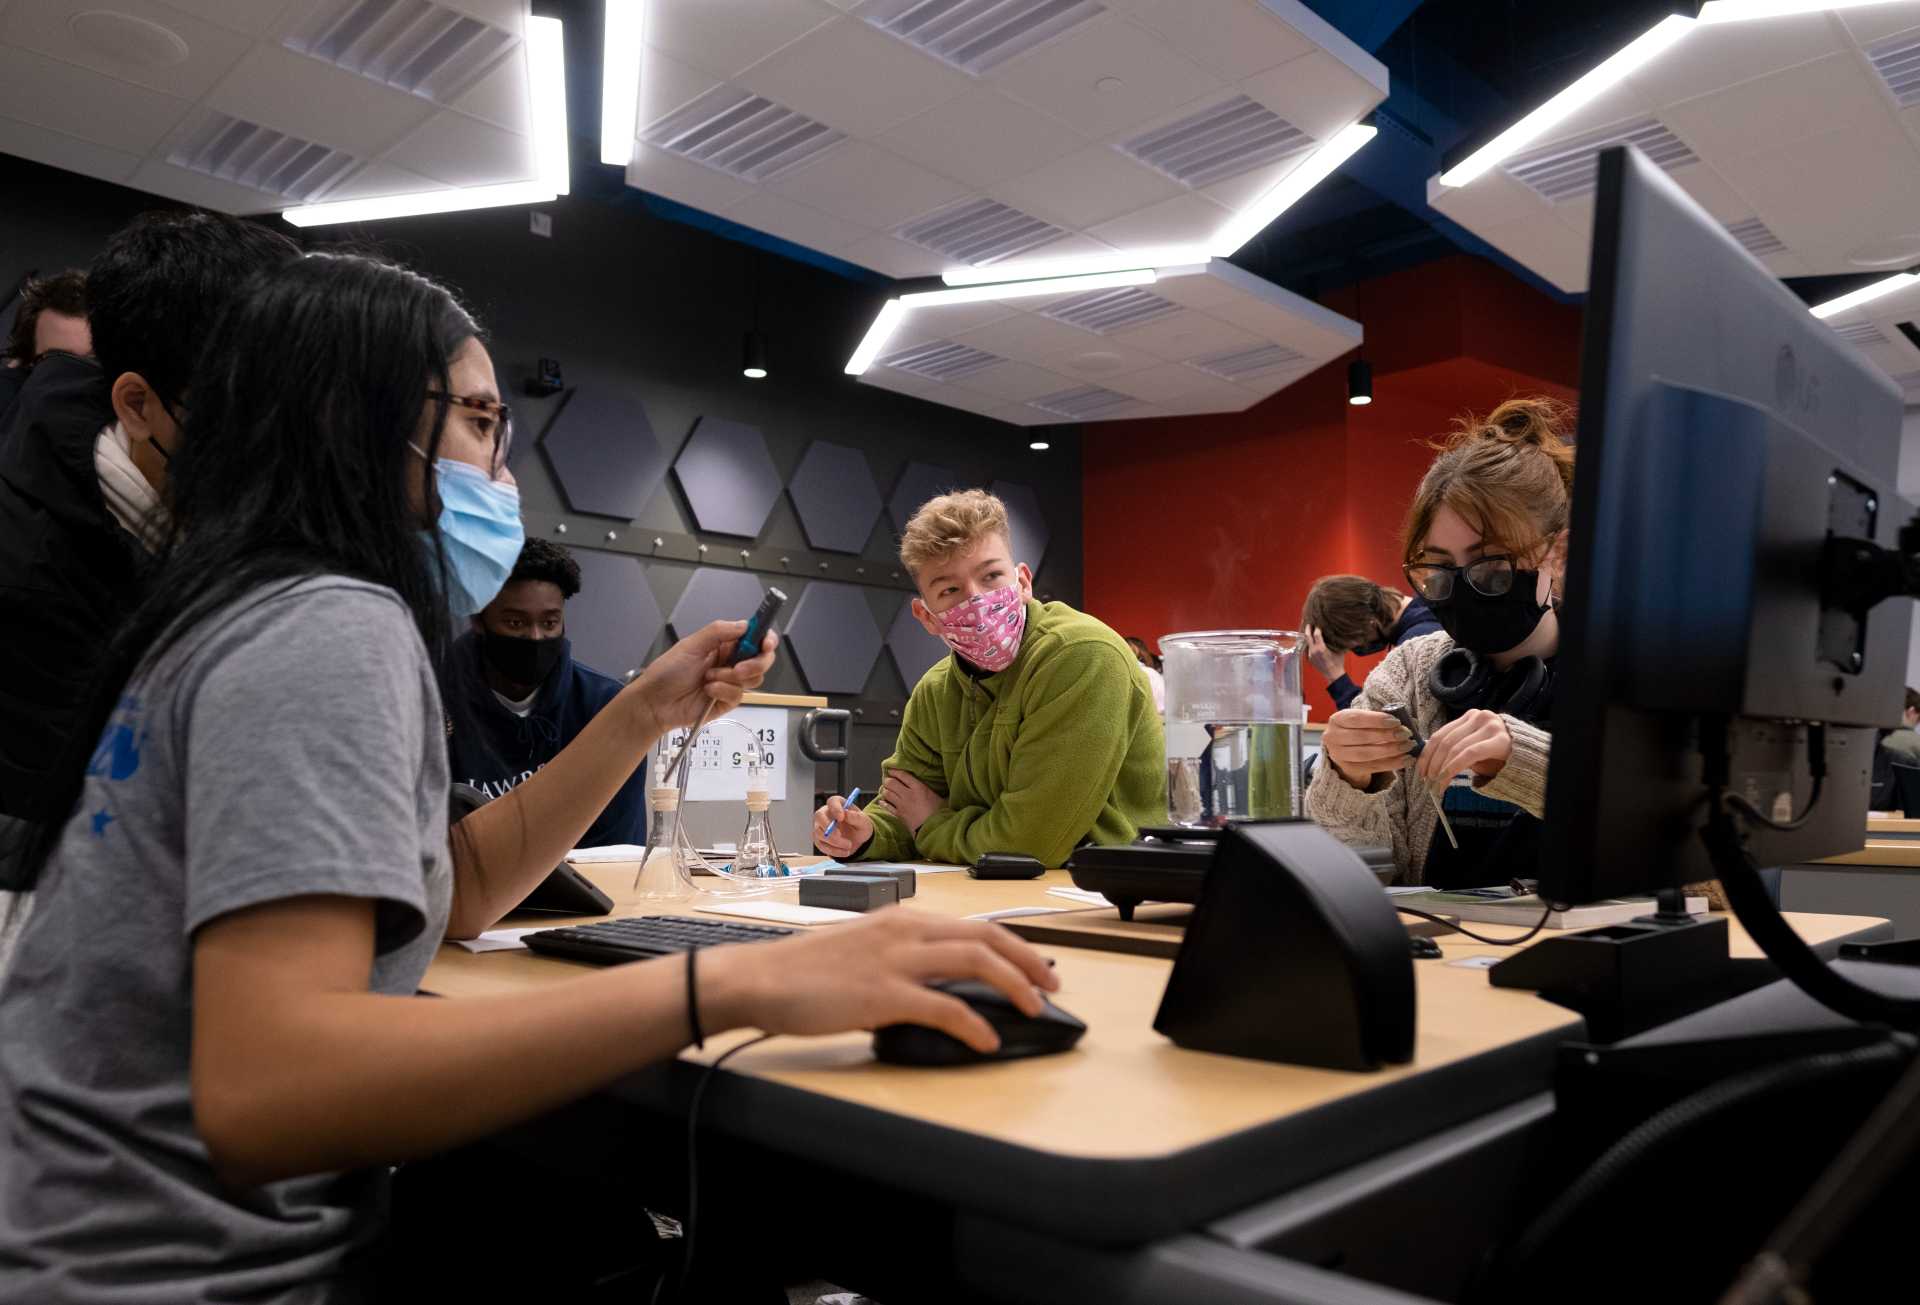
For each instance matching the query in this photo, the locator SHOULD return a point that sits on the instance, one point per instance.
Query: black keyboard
(641, 938)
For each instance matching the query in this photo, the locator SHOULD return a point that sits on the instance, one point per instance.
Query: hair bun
(1536, 420)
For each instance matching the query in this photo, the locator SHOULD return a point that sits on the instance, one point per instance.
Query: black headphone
(1463, 680)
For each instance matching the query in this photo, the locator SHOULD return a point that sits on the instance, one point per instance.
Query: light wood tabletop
(781, 700)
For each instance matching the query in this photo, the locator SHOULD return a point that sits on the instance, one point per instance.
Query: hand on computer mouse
(872, 972)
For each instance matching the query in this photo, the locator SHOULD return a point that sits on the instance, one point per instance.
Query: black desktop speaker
(1293, 954)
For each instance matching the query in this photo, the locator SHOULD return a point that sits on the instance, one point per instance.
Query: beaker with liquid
(1234, 746)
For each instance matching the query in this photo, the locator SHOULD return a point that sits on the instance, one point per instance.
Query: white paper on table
(1013, 911)
(499, 940)
(1083, 895)
(610, 852)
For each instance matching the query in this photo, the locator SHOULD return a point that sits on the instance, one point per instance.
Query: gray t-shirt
(292, 745)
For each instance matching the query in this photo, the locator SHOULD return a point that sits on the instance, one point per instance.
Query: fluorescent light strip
(894, 311)
(1120, 260)
(1253, 219)
(449, 200)
(620, 79)
(547, 73)
(1740, 11)
(1866, 294)
(1635, 55)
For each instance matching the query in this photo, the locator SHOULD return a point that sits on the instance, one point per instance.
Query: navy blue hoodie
(492, 749)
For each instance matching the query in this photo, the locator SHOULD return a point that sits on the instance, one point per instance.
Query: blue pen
(832, 825)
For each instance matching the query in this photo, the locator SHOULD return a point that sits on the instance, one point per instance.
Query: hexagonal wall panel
(604, 454)
(614, 619)
(728, 477)
(918, 483)
(834, 493)
(833, 637)
(1025, 521)
(715, 595)
(914, 650)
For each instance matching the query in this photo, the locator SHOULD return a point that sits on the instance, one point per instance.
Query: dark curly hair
(542, 559)
(63, 292)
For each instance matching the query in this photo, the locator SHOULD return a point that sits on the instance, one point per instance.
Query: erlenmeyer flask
(658, 880)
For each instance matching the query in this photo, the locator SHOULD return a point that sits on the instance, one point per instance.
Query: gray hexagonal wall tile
(834, 493)
(716, 595)
(614, 619)
(914, 650)
(604, 454)
(1026, 522)
(833, 637)
(918, 483)
(728, 477)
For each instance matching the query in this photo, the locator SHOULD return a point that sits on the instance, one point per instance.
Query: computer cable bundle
(1545, 915)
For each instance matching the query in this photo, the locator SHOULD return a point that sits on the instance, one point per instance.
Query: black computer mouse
(1423, 948)
(1020, 1034)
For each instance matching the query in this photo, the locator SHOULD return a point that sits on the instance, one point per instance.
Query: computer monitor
(1724, 435)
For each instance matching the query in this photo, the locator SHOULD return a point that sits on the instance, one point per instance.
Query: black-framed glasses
(501, 429)
(1492, 576)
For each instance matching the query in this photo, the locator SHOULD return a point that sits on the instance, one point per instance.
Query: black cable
(693, 1171)
(1816, 766)
(1458, 928)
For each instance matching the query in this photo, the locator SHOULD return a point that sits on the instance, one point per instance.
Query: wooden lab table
(1879, 879)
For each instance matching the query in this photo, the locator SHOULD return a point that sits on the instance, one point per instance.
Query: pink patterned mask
(986, 629)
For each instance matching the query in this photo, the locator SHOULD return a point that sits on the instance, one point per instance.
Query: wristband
(693, 1005)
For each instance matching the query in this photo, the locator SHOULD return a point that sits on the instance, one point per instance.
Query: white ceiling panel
(867, 186)
(856, 78)
(1110, 74)
(1315, 91)
(292, 93)
(1808, 100)
(462, 151)
(136, 41)
(79, 102)
(726, 37)
(1058, 370)
(62, 151)
(887, 256)
(377, 179)
(790, 220)
(1234, 39)
(1165, 223)
(1731, 53)
(501, 98)
(162, 178)
(982, 136)
(252, 17)
(684, 180)
(1877, 22)
(1092, 185)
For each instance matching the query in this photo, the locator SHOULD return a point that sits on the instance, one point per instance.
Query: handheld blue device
(757, 626)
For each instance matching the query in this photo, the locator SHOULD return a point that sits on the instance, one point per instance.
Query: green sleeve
(1073, 742)
(917, 752)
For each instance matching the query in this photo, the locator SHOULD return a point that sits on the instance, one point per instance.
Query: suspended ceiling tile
(1025, 335)
(1008, 381)
(920, 328)
(1170, 222)
(914, 651)
(728, 477)
(1142, 76)
(60, 29)
(726, 37)
(1101, 358)
(1188, 335)
(614, 620)
(318, 102)
(1088, 186)
(662, 173)
(501, 13)
(854, 77)
(62, 151)
(188, 187)
(1163, 384)
(378, 179)
(1236, 193)
(1793, 188)
(501, 97)
(667, 84)
(919, 481)
(1026, 523)
(1713, 192)
(833, 636)
(1734, 53)
(253, 17)
(1802, 102)
(715, 594)
(765, 211)
(604, 454)
(1877, 22)
(461, 151)
(835, 496)
(1554, 251)
(101, 110)
(982, 137)
(1316, 93)
(1494, 200)
(863, 184)
(889, 257)
(1235, 39)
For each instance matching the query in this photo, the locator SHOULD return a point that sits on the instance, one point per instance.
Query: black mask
(520, 660)
(1378, 644)
(1491, 625)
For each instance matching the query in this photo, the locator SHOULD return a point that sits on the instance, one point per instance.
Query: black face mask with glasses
(1488, 605)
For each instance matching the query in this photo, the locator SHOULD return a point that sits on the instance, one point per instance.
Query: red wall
(1204, 522)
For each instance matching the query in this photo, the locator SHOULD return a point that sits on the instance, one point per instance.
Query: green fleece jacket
(1063, 747)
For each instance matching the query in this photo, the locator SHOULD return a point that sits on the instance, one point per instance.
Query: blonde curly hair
(949, 524)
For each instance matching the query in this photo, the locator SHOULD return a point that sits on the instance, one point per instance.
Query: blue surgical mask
(480, 530)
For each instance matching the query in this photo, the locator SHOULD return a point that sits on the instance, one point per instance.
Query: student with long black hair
(212, 1051)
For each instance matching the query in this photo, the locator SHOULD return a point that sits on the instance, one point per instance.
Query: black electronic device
(1293, 955)
(850, 892)
(643, 937)
(565, 891)
(1021, 1035)
(902, 875)
(1733, 522)
(1167, 864)
(1005, 865)
(757, 626)
(545, 380)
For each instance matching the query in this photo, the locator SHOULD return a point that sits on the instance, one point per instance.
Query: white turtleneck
(134, 502)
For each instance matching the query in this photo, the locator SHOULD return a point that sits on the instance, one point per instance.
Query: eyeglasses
(1492, 576)
(497, 421)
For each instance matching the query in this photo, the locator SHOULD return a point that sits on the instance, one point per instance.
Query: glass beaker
(659, 881)
(1233, 724)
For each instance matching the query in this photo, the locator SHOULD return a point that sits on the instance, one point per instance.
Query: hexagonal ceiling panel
(715, 595)
(914, 650)
(604, 454)
(728, 477)
(614, 619)
(834, 493)
(918, 483)
(1026, 523)
(834, 639)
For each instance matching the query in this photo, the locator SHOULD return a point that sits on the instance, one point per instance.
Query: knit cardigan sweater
(1394, 812)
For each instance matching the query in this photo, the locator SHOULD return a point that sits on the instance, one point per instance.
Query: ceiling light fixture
(1634, 55)
(894, 311)
(1359, 382)
(626, 32)
(1039, 446)
(547, 82)
(1866, 294)
(1740, 11)
(753, 356)
(1315, 168)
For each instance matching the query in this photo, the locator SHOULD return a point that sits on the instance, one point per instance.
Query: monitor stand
(1625, 978)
